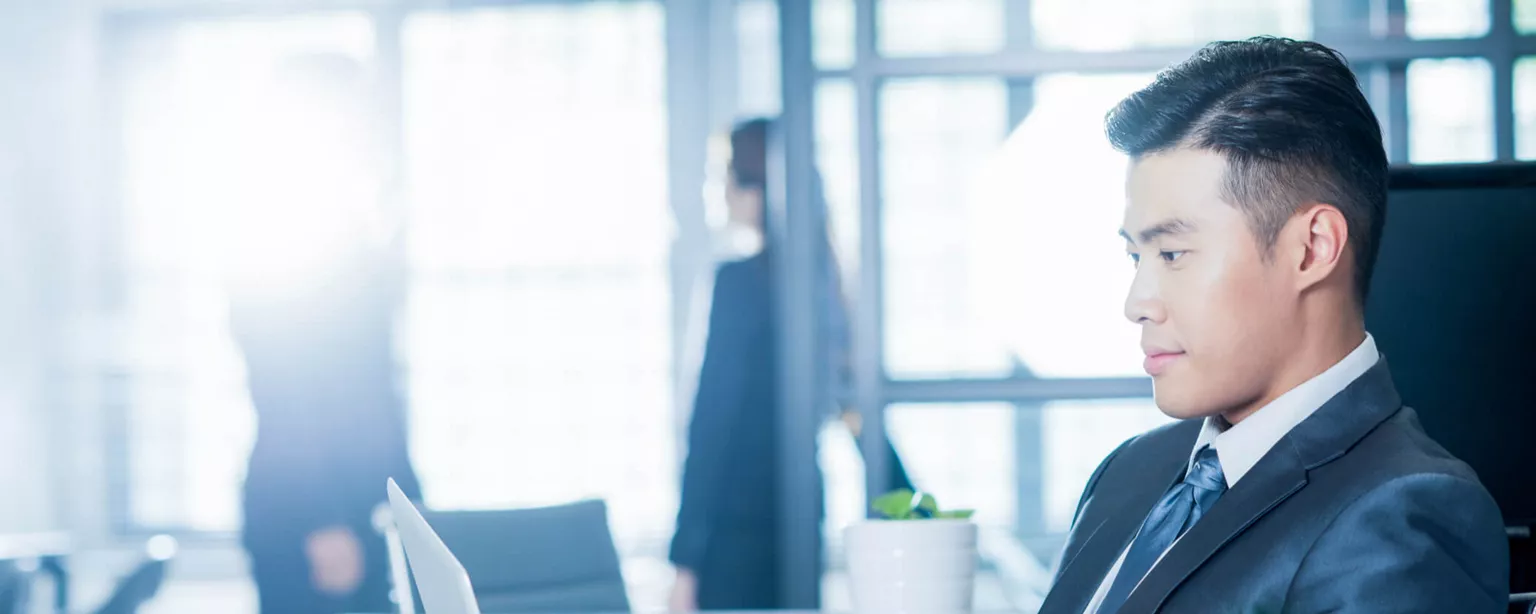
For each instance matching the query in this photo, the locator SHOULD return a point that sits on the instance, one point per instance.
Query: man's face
(1214, 314)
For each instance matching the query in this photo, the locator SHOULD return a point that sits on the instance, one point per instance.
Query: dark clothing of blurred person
(726, 534)
(331, 429)
(726, 547)
(314, 284)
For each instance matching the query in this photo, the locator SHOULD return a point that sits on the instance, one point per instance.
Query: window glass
(940, 27)
(1105, 25)
(205, 108)
(1450, 111)
(1001, 247)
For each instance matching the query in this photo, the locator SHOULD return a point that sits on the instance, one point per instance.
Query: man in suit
(1297, 481)
(726, 547)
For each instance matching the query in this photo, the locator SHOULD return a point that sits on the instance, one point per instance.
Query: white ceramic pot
(912, 566)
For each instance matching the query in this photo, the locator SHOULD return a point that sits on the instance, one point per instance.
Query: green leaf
(895, 505)
(903, 504)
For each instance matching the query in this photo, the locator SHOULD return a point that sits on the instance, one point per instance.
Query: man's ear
(1318, 237)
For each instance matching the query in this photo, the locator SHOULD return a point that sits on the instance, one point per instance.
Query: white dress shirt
(1239, 447)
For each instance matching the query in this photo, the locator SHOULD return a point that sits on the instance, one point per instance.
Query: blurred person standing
(314, 282)
(726, 545)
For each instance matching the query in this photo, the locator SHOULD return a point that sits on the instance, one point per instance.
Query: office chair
(1522, 569)
(15, 588)
(1522, 603)
(134, 590)
(547, 559)
(144, 582)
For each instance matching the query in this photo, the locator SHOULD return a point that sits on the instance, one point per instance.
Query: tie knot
(1206, 473)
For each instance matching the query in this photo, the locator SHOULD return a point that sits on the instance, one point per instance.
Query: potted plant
(913, 558)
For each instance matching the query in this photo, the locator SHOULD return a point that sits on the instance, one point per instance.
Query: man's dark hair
(1290, 120)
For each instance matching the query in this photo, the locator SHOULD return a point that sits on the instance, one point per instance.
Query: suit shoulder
(1397, 461)
(1399, 447)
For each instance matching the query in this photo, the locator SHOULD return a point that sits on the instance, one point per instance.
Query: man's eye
(1170, 256)
(1135, 258)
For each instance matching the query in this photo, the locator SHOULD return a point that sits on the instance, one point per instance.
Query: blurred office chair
(134, 590)
(144, 582)
(26, 558)
(1522, 570)
(547, 559)
(1522, 603)
(15, 587)
(1522, 558)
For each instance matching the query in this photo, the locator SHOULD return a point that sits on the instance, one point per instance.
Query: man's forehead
(1143, 210)
(1148, 215)
(1172, 191)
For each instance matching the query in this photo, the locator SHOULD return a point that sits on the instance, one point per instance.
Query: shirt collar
(1239, 447)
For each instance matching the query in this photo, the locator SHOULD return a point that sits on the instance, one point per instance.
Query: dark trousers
(741, 572)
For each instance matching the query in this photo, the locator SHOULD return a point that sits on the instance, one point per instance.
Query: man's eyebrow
(1172, 226)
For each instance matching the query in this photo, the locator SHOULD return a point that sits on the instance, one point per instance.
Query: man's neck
(1318, 350)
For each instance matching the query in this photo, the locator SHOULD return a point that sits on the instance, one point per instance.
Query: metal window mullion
(804, 382)
(110, 393)
(1391, 21)
(1020, 25)
(689, 109)
(1028, 420)
(869, 312)
(1501, 58)
(1033, 62)
(389, 62)
(1343, 19)
(722, 47)
(258, 8)
(1016, 390)
(1020, 38)
(1393, 80)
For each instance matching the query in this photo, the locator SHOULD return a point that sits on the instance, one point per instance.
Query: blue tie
(1178, 510)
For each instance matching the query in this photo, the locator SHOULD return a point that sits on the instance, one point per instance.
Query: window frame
(1370, 33)
(690, 101)
(1381, 55)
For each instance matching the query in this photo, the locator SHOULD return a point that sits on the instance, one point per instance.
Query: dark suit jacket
(1355, 510)
(727, 531)
(330, 420)
(729, 479)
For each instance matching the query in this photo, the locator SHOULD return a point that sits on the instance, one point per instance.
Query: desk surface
(29, 545)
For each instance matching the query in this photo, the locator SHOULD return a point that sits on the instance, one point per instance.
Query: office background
(546, 159)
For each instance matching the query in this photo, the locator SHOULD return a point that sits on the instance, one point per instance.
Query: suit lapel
(1123, 505)
(1269, 483)
(1322, 437)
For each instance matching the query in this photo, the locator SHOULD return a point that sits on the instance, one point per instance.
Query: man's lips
(1157, 362)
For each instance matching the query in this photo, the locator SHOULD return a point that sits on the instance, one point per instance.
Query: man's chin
(1180, 404)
